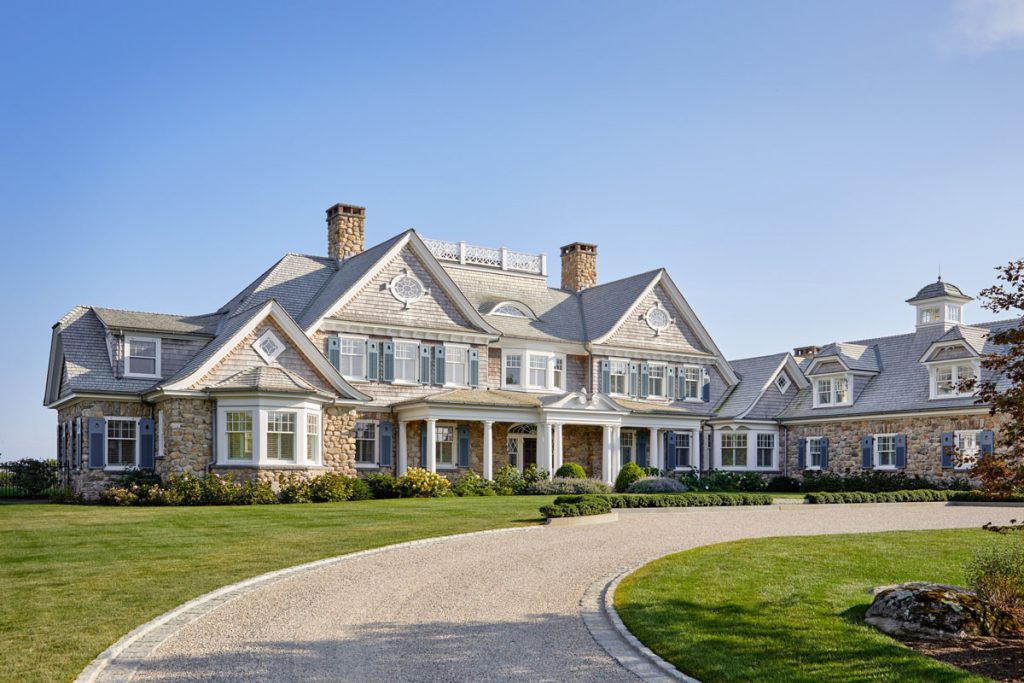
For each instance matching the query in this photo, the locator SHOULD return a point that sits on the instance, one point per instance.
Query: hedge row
(911, 496)
(587, 505)
(595, 504)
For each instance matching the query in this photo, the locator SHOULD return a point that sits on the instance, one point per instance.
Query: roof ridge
(170, 315)
(750, 358)
(621, 279)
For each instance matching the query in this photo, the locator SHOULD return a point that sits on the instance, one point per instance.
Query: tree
(1002, 473)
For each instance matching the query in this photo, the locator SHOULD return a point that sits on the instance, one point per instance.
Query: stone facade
(581, 444)
(187, 436)
(924, 455)
(345, 225)
(579, 266)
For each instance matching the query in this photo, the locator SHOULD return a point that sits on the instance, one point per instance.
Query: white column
(559, 455)
(654, 448)
(403, 448)
(431, 426)
(616, 451)
(488, 448)
(606, 455)
(544, 447)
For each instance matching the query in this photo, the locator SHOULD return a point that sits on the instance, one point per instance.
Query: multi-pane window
(281, 435)
(765, 450)
(842, 387)
(691, 382)
(824, 391)
(456, 365)
(353, 357)
(734, 449)
(406, 356)
(949, 377)
(312, 437)
(930, 315)
(366, 443)
(814, 451)
(832, 391)
(559, 373)
(885, 450)
(953, 313)
(445, 445)
(683, 448)
(656, 380)
(627, 446)
(142, 356)
(239, 429)
(618, 370)
(513, 370)
(121, 439)
(967, 449)
(538, 371)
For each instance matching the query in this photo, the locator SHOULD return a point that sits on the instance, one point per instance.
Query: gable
(772, 401)
(243, 357)
(374, 303)
(634, 331)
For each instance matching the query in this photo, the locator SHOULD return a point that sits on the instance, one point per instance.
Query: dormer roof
(855, 357)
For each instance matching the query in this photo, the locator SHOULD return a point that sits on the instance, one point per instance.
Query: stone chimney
(579, 266)
(345, 230)
(802, 352)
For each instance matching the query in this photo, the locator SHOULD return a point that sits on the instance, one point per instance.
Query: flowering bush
(329, 487)
(420, 483)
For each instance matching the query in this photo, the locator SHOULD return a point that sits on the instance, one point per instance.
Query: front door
(529, 452)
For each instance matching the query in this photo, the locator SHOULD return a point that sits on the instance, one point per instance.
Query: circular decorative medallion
(407, 288)
(657, 318)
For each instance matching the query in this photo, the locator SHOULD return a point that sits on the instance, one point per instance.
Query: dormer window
(831, 391)
(946, 380)
(142, 356)
(513, 309)
(782, 382)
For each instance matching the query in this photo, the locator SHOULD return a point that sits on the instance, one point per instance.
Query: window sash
(513, 370)
(366, 443)
(885, 451)
(353, 357)
(558, 373)
(445, 445)
(238, 425)
(141, 356)
(814, 451)
(122, 438)
(281, 435)
(455, 365)
(538, 371)
(617, 370)
(312, 437)
(824, 391)
(734, 450)
(406, 361)
(691, 382)
(656, 380)
(682, 449)
(765, 450)
(968, 448)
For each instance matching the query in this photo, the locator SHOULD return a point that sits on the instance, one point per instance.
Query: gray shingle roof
(116, 319)
(854, 356)
(935, 290)
(266, 378)
(292, 282)
(482, 397)
(754, 373)
(604, 305)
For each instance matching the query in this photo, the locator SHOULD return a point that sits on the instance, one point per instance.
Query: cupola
(939, 304)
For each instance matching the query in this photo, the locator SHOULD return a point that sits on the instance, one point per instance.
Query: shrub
(472, 484)
(560, 485)
(65, 496)
(913, 496)
(329, 487)
(188, 488)
(667, 500)
(28, 477)
(420, 483)
(292, 489)
(218, 490)
(629, 473)
(570, 470)
(580, 507)
(781, 484)
(996, 574)
(382, 485)
(134, 475)
(718, 480)
(657, 485)
(508, 481)
(258, 493)
(360, 489)
(532, 474)
(877, 482)
(982, 497)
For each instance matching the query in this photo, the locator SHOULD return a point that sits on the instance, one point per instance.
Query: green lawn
(790, 609)
(77, 578)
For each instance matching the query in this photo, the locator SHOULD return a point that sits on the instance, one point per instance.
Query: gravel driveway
(495, 607)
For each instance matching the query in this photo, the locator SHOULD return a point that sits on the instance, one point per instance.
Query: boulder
(934, 610)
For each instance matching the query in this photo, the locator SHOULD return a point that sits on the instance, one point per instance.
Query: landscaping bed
(596, 504)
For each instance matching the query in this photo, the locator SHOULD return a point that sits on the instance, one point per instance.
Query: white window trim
(455, 447)
(505, 353)
(633, 448)
(665, 394)
(752, 456)
(525, 356)
(751, 465)
(259, 407)
(565, 372)
(721, 449)
(415, 381)
(694, 441)
(458, 347)
(257, 346)
(227, 441)
(106, 437)
(376, 448)
(127, 359)
(835, 403)
(874, 453)
(933, 378)
(406, 301)
(956, 445)
(527, 314)
(783, 387)
(625, 383)
(807, 455)
(699, 398)
(366, 354)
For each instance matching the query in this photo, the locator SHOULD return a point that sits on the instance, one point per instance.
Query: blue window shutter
(901, 451)
(424, 364)
(423, 445)
(670, 383)
(146, 444)
(645, 379)
(824, 453)
(334, 351)
(801, 454)
(695, 458)
(474, 367)
(641, 448)
(606, 377)
(987, 442)
(867, 452)
(97, 442)
(439, 364)
(372, 360)
(634, 379)
(670, 451)
(946, 448)
(386, 439)
(388, 351)
(706, 390)
(463, 445)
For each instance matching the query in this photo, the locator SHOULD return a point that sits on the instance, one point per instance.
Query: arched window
(513, 309)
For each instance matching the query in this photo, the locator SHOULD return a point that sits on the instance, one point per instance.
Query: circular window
(407, 288)
(657, 318)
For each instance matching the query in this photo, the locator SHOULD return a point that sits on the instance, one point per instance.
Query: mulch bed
(999, 658)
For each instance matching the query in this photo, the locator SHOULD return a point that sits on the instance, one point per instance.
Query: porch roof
(480, 397)
(656, 409)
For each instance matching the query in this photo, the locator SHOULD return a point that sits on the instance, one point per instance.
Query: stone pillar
(606, 455)
(431, 427)
(488, 450)
(544, 447)
(654, 448)
(403, 447)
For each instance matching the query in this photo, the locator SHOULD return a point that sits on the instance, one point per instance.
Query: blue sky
(800, 168)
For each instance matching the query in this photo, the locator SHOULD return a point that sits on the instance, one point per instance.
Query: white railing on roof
(489, 257)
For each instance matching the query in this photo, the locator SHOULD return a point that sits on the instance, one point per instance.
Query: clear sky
(800, 168)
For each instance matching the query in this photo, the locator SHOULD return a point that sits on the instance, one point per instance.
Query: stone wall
(924, 457)
(188, 436)
(83, 480)
(582, 444)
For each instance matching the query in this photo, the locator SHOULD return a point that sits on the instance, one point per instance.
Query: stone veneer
(579, 266)
(345, 226)
(924, 434)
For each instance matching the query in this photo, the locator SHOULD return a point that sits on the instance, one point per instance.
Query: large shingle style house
(448, 356)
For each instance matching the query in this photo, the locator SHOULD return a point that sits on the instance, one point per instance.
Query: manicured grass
(77, 578)
(791, 609)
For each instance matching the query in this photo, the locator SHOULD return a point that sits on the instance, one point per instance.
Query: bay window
(239, 431)
(538, 376)
(734, 449)
(766, 451)
(269, 431)
(281, 435)
(544, 370)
